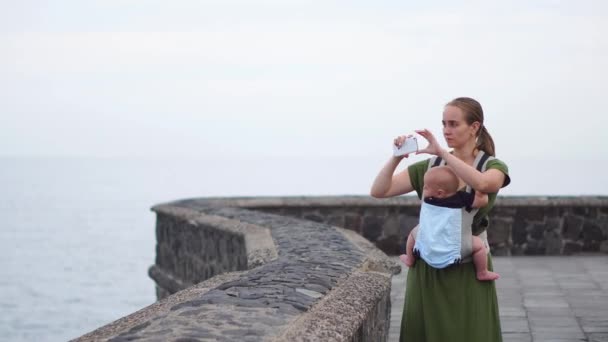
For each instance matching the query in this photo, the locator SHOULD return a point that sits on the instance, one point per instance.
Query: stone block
(161, 230)
(292, 212)
(531, 213)
(165, 257)
(500, 250)
(504, 212)
(514, 325)
(500, 231)
(553, 223)
(391, 226)
(553, 242)
(572, 227)
(391, 245)
(410, 210)
(554, 212)
(331, 211)
(376, 211)
(193, 241)
(582, 211)
(353, 222)
(223, 247)
(535, 247)
(536, 231)
(604, 246)
(336, 220)
(313, 216)
(518, 249)
(602, 221)
(572, 247)
(591, 246)
(598, 337)
(519, 233)
(592, 232)
(372, 227)
(406, 224)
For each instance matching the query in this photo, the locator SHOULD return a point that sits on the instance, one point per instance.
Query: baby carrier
(444, 238)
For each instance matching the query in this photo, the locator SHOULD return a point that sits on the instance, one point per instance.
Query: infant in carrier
(437, 240)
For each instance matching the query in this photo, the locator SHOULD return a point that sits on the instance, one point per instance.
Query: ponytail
(485, 141)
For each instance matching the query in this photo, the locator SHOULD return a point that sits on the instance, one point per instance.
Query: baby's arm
(481, 200)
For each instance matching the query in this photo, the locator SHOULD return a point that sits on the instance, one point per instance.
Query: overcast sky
(280, 78)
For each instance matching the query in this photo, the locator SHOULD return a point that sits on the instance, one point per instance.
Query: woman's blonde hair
(473, 112)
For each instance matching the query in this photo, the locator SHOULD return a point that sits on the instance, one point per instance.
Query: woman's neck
(466, 153)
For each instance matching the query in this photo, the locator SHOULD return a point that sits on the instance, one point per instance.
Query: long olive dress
(450, 304)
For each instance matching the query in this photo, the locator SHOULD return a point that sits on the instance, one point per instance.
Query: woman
(449, 304)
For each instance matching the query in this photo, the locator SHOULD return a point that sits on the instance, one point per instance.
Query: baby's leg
(408, 258)
(480, 259)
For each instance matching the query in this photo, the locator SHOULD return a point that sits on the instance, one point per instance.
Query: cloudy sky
(261, 79)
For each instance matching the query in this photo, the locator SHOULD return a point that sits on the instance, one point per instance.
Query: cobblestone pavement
(541, 298)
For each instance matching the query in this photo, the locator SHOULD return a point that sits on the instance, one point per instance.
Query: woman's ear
(476, 126)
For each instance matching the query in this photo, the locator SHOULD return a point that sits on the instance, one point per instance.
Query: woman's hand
(433, 146)
(398, 141)
(387, 182)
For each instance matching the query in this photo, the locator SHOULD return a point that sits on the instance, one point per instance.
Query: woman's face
(456, 131)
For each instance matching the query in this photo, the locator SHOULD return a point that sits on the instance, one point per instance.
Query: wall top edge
(368, 201)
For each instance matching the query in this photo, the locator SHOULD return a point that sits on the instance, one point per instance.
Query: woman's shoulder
(496, 163)
(501, 166)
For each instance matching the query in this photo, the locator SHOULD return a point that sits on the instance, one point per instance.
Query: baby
(441, 190)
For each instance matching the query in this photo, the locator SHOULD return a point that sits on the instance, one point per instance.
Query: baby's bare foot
(408, 260)
(487, 275)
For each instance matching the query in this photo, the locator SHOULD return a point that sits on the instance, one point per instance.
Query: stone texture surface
(534, 225)
(318, 272)
(193, 247)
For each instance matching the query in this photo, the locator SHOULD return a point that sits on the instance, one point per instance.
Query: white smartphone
(410, 145)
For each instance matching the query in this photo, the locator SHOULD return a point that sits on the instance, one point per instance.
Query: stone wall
(271, 278)
(518, 225)
(282, 269)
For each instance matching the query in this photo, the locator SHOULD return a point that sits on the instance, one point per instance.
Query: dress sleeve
(416, 172)
(501, 166)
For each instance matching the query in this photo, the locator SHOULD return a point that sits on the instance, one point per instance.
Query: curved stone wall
(272, 278)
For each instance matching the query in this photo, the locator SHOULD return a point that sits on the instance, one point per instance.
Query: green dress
(450, 304)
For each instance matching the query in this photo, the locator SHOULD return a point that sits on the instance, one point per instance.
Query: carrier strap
(437, 161)
(482, 161)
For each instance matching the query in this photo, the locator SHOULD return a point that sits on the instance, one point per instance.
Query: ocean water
(77, 235)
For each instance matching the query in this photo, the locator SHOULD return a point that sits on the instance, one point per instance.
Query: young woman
(450, 304)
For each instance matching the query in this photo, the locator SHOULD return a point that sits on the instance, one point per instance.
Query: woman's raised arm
(388, 184)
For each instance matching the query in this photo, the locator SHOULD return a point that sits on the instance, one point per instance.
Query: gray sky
(255, 79)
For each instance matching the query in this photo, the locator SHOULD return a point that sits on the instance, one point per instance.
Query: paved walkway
(541, 299)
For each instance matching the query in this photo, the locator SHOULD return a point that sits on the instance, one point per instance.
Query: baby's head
(440, 182)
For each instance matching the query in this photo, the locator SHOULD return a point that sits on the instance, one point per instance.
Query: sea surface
(77, 234)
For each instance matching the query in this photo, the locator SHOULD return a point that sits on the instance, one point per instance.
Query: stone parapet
(519, 225)
(271, 278)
